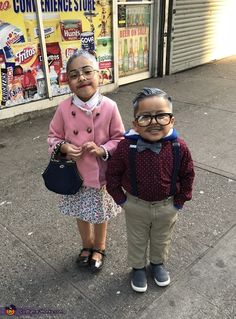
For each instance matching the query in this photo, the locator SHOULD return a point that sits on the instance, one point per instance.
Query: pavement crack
(194, 262)
(214, 170)
(56, 271)
(211, 246)
(206, 297)
(204, 106)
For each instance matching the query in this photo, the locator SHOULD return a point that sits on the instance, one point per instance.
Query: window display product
(41, 85)
(53, 80)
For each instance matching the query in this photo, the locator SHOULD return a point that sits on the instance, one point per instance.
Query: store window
(68, 25)
(18, 59)
(133, 38)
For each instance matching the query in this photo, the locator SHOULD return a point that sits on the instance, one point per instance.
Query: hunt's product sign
(71, 29)
(68, 25)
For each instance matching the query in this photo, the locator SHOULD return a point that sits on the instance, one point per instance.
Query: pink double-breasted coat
(104, 127)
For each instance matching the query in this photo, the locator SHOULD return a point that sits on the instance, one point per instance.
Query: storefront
(38, 37)
(198, 32)
(134, 33)
(134, 40)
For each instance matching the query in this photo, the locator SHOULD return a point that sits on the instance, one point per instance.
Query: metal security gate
(197, 32)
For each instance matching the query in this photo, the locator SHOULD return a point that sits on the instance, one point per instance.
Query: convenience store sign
(24, 6)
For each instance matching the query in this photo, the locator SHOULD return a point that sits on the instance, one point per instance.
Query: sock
(152, 264)
(139, 268)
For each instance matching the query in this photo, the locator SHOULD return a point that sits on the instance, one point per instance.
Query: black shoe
(161, 275)
(97, 264)
(139, 280)
(83, 261)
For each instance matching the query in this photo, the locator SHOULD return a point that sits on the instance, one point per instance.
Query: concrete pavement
(38, 246)
(205, 290)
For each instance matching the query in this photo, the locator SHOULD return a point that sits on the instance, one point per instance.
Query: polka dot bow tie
(154, 147)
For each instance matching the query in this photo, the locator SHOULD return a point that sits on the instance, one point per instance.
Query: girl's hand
(72, 152)
(93, 149)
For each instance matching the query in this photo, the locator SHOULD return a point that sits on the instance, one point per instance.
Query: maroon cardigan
(153, 173)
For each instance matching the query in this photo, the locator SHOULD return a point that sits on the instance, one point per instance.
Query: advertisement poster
(121, 16)
(68, 25)
(133, 42)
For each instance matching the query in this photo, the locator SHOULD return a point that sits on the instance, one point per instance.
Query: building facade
(133, 40)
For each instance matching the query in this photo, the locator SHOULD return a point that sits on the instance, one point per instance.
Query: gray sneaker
(161, 275)
(139, 280)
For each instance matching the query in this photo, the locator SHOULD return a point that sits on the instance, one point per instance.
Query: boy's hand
(93, 149)
(72, 152)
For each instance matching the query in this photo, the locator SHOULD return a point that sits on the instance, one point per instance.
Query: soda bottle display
(125, 57)
(131, 56)
(41, 85)
(128, 19)
(140, 54)
(132, 18)
(136, 18)
(140, 17)
(145, 53)
(136, 54)
(63, 80)
(147, 16)
(120, 57)
(53, 80)
(53, 75)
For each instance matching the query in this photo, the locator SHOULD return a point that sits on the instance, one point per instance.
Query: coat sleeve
(186, 178)
(116, 130)
(56, 130)
(115, 171)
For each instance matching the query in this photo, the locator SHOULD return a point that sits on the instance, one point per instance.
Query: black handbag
(61, 176)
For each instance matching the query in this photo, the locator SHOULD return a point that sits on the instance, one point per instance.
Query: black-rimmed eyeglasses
(161, 118)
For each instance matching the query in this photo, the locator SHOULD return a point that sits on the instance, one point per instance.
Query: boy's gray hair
(86, 54)
(148, 92)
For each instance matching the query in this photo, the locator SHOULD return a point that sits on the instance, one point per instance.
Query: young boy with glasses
(151, 176)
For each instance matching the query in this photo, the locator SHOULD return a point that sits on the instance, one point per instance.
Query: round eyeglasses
(162, 119)
(87, 72)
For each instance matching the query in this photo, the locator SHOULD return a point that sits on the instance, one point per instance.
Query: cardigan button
(75, 132)
(97, 114)
(89, 130)
(73, 113)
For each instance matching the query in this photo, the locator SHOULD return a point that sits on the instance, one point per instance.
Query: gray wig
(148, 92)
(86, 54)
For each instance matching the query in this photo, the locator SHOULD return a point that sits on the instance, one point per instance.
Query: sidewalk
(38, 246)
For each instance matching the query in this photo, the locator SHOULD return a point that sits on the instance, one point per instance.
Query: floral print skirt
(89, 204)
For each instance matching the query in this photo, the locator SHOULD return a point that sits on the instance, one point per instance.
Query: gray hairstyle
(85, 54)
(148, 92)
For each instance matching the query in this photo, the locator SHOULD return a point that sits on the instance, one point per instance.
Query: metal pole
(42, 42)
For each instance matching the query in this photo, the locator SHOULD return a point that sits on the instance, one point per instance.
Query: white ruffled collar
(88, 105)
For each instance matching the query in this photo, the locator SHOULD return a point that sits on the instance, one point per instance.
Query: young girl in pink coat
(87, 128)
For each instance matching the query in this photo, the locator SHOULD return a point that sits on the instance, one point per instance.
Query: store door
(134, 45)
(199, 32)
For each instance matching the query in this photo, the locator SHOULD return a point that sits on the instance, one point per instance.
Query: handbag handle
(56, 150)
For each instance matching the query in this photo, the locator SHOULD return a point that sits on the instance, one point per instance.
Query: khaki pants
(149, 222)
